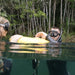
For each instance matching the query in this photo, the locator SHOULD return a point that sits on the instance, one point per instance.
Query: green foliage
(3, 13)
(22, 12)
(40, 13)
(71, 0)
(29, 3)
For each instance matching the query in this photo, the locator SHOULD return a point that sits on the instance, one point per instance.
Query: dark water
(42, 59)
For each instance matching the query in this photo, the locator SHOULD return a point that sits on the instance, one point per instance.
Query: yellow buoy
(32, 40)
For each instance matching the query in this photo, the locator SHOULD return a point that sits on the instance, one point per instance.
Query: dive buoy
(32, 40)
(24, 39)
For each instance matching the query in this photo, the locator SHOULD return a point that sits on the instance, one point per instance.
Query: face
(2, 32)
(57, 30)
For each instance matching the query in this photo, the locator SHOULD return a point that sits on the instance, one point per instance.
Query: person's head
(54, 33)
(4, 25)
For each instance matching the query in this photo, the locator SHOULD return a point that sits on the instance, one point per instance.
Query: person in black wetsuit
(56, 67)
(5, 63)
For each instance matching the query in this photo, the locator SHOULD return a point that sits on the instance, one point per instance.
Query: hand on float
(41, 35)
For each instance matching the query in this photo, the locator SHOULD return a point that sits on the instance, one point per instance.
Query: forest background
(27, 17)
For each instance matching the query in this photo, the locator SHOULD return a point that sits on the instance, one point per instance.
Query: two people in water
(54, 36)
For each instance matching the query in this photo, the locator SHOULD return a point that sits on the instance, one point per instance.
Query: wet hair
(56, 28)
(5, 23)
(3, 20)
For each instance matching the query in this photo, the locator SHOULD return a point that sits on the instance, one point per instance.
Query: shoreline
(69, 39)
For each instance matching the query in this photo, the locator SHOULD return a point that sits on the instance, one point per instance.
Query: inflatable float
(36, 44)
(23, 39)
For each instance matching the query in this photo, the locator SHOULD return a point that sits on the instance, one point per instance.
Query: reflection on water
(62, 51)
(56, 56)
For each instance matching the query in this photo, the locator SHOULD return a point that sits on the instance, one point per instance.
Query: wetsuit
(6, 67)
(56, 67)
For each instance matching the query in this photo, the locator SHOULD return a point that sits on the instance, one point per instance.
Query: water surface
(34, 59)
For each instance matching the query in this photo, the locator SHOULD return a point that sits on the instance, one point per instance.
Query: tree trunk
(61, 13)
(47, 20)
(49, 14)
(43, 21)
(65, 10)
(68, 16)
(54, 11)
(72, 15)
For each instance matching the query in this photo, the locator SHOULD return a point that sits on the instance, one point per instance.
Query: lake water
(42, 59)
